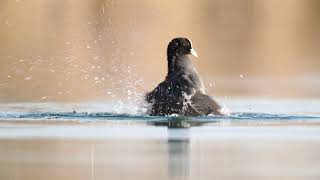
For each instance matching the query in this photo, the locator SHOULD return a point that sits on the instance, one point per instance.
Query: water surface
(261, 139)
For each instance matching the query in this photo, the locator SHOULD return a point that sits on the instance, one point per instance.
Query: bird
(182, 92)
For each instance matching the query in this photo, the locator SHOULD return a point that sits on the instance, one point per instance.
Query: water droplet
(241, 76)
(7, 23)
(28, 78)
(109, 20)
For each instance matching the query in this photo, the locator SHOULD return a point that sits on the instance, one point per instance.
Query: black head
(180, 46)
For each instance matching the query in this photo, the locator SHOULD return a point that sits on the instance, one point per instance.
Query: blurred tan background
(95, 50)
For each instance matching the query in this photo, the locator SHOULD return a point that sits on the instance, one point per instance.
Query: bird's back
(169, 96)
(179, 94)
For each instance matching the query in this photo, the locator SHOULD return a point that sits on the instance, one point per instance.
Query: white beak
(193, 52)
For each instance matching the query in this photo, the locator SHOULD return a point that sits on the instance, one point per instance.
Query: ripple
(100, 116)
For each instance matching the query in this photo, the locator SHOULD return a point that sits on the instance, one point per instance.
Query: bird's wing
(149, 97)
(157, 92)
(205, 104)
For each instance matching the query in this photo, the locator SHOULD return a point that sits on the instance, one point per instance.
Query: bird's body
(182, 92)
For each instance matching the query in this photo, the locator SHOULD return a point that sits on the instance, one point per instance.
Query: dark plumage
(182, 92)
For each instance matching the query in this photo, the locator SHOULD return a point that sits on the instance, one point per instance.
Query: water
(260, 139)
(257, 110)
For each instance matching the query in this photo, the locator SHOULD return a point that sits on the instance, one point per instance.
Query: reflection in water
(178, 153)
(99, 151)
